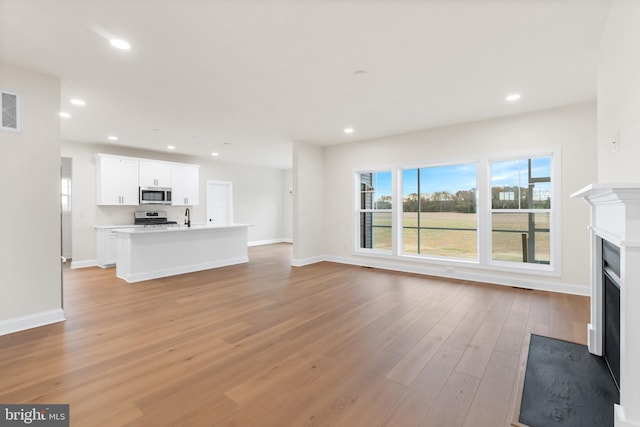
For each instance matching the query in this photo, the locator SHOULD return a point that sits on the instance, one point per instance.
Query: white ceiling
(260, 74)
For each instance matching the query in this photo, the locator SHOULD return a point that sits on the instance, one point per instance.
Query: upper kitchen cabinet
(116, 180)
(154, 174)
(185, 185)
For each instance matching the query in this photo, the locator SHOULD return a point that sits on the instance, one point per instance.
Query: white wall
(30, 218)
(572, 128)
(308, 208)
(619, 111)
(619, 94)
(257, 196)
(287, 205)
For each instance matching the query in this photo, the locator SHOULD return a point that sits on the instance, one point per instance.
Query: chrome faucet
(187, 220)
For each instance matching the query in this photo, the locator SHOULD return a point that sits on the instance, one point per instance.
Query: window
(65, 194)
(439, 211)
(499, 213)
(375, 210)
(521, 210)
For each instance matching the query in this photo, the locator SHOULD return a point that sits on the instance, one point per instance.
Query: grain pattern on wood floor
(266, 344)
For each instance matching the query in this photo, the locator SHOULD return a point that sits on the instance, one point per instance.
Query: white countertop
(181, 228)
(109, 227)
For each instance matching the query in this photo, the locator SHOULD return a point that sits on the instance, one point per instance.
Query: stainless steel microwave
(155, 196)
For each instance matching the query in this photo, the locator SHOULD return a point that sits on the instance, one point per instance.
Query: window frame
(555, 214)
(484, 212)
(66, 207)
(359, 210)
(401, 251)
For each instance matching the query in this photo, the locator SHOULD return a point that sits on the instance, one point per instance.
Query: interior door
(219, 203)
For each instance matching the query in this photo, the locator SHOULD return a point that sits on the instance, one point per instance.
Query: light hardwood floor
(265, 344)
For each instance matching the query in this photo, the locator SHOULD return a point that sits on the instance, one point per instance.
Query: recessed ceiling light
(171, 147)
(112, 138)
(348, 130)
(64, 114)
(120, 44)
(360, 74)
(79, 102)
(214, 154)
(513, 97)
(226, 143)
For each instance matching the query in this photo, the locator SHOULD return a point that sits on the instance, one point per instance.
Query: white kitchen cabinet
(106, 240)
(185, 185)
(154, 174)
(116, 180)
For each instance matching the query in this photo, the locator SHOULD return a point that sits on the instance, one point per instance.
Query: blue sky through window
(440, 178)
(514, 172)
(455, 178)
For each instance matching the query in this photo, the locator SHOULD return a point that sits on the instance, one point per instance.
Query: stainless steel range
(153, 219)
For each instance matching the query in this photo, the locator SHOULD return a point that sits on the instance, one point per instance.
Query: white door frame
(229, 201)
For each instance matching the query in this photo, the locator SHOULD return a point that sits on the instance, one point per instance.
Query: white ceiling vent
(11, 111)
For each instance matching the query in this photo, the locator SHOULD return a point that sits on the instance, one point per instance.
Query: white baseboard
(307, 261)
(620, 418)
(484, 276)
(22, 323)
(593, 341)
(84, 264)
(269, 241)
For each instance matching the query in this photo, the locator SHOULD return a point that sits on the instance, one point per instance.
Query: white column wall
(309, 208)
(30, 218)
(619, 94)
(618, 113)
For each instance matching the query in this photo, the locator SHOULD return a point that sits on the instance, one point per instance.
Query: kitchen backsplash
(123, 215)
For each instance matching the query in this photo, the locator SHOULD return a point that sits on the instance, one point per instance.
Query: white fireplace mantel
(615, 217)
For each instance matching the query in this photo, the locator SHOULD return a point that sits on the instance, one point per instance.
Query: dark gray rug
(565, 385)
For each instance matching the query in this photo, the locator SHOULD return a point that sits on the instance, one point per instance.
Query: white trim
(356, 197)
(483, 214)
(35, 320)
(614, 211)
(398, 230)
(229, 202)
(308, 261)
(84, 264)
(156, 274)
(554, 268)
(269, 241)
(620, 420)
(505, 266)
(489, 277)
(615, 239)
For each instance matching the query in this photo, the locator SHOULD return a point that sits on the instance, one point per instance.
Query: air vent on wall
(10, 111)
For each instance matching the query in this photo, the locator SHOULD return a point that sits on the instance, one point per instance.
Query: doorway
(219, 202)
(66, 175)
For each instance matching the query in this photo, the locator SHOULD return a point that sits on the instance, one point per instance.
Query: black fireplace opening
(611, 307)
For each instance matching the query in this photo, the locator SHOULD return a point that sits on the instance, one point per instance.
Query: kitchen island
(151, 253)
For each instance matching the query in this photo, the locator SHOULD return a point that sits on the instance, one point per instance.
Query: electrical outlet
(615, 140)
